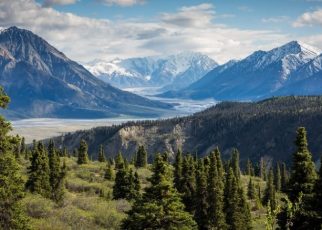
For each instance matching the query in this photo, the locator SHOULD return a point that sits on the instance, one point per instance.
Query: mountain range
(43, 82)
(170, 72)
(292, 69)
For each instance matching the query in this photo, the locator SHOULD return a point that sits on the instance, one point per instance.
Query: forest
(45, 187)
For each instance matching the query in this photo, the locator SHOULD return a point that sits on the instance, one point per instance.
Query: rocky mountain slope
(260, 75)
(263, 129)
(171, 72)
(43, 82)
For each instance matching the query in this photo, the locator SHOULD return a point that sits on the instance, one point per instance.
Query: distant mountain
(262, 129)
(260, 75)
(170, 72)
(43, 82)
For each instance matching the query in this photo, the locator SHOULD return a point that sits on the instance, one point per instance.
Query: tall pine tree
(101, 154)
(160, 206)
(178, 170)
(82, 153)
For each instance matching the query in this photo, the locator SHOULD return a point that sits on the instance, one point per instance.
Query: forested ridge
(257, 129)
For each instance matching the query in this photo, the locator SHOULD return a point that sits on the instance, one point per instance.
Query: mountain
(258, 129)
(259, 75)
(307, 80)
(171, 72)
(43, 82)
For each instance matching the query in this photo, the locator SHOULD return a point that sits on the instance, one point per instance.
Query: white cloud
(275, 19)
(48, 3)
(189, 29)
(122, 2)
(309, 19)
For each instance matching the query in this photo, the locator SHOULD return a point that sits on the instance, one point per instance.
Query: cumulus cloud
(189, 29)
(309, 19)
(122, 2)
(48, 3)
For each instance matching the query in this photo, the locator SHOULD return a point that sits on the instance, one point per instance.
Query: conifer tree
(160, 206)
(188, 183)
(101, 154)
(56, 175)
(251, 191)
(249, 168)
(137, 185)
(121, 186)
(303, 174)
(141, 157)
(82, 153)
(262, 169)
(269, 195)
(23, 148)
(119, 161)
(277, 179)
(236, 207)
(109, 174)
(39, 178)
(284, 178)
(201, 213)
(235, 163)
(12, 215)
(216, 214)
(178, 171)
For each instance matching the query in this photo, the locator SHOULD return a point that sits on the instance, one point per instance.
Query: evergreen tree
(137, 185)
(251, 191)
(11, 182)
(269, 195)
(235, 163)
(188, 183)
(121, 186)
(101, 154)
(141, 157)
(316, 205)
(277, 179)
(160, 207)
(262, 169)
(119, 161)
(109, 174)
(39, 178)
(178, 171)
(236, 208)
(284, 178)
(303, 174)
(82, 153)
(23, 148)
(56, 175)
(201, 214)
(249, 168)
(216, 215)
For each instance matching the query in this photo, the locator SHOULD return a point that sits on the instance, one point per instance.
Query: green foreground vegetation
(45, 187)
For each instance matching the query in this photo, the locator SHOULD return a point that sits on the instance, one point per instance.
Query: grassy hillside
(260, 129)
(88, 202)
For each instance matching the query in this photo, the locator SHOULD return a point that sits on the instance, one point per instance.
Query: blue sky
(223, 29)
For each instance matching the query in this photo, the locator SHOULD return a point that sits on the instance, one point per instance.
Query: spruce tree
(160, 206)
(12, 215)
(188, 183)
(251, 191)
(82, 153)
(303, 173)
(56, 176)
(101, 154)
(109, 173)
(119, 161)
(39, 178)
(216, 214)
(284, 178)
(23, 148)
(249, 168)
(235, 163)
(122, 185)
(269, 195)
(141, 157)
(277, 179)
(178, 171)
(137, 185)
(262, 169)
(201, 213)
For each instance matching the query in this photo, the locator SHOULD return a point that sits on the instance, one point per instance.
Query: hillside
(43, 82)
(265, 128)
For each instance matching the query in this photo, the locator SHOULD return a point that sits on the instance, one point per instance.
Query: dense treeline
(258, 130)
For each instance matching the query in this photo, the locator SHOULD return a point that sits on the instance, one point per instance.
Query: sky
(86, 30)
